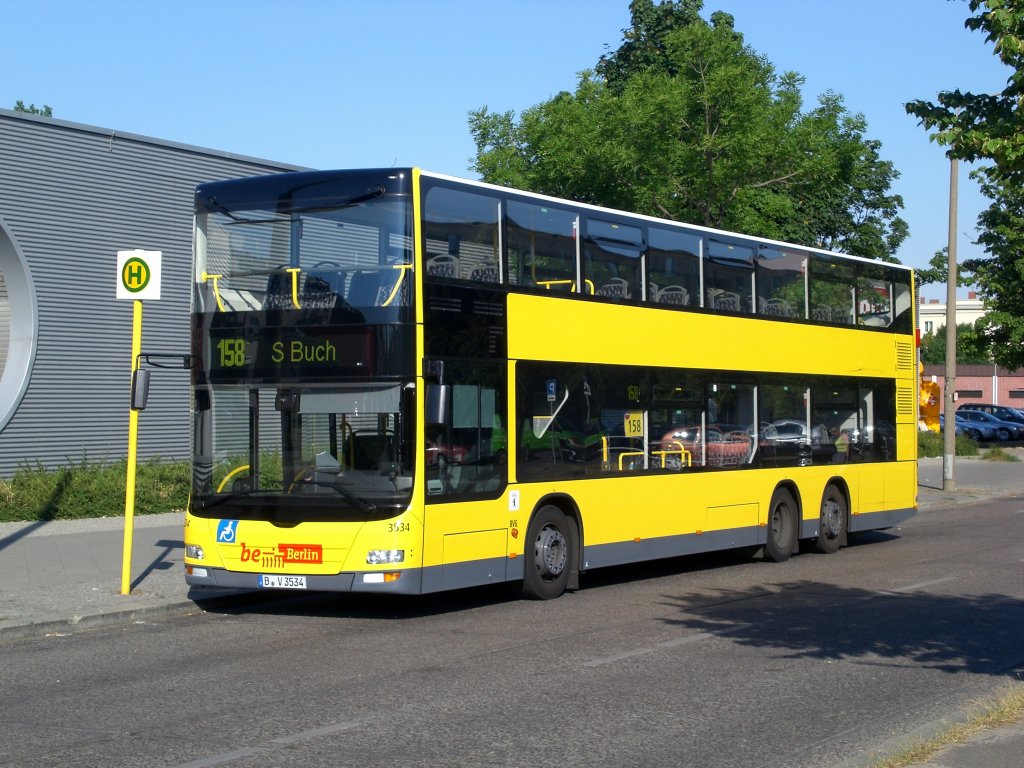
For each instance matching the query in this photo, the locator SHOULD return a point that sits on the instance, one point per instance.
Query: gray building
(71, 196)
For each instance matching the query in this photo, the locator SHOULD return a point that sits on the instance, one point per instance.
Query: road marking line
(617, 657)
(227, 757)
(314, 732)
(922, 584)
(674, 643)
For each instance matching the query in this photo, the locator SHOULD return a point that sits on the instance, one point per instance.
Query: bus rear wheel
(783, 518)
(832, 526)
(550, 549)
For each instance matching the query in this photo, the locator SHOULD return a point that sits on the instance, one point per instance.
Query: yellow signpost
(138, 278)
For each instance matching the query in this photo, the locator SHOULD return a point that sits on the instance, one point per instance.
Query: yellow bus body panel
(594, 332)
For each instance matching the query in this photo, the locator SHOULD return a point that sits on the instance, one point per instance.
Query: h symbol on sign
(135, 273)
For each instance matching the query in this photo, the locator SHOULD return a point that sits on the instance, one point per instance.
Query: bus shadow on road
(806, 619)
(347, 605)
(705, 562)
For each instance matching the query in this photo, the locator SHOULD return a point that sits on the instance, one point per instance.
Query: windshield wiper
(336, 485)
(216, 500)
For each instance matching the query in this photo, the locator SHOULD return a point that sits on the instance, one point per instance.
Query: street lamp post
(949, 389)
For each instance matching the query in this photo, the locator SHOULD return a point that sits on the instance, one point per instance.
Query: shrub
(930, 445)
(92, 490)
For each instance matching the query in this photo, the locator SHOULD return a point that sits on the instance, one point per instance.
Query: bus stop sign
(138, 275)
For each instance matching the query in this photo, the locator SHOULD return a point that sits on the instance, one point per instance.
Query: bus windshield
(342, 451)
(304, 340)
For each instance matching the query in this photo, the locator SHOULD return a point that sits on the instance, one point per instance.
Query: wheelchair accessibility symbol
(227, 530)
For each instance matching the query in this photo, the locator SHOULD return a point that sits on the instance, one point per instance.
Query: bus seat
(321, 289)
(372, 288)
(486, 274)
(371, 450)
(365, 288)
(672, 294)
(443, 265)
(279, 291)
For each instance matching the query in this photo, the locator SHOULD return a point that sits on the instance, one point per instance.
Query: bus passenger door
(466, 472)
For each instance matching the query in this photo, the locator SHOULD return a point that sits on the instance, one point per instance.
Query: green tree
(643, 44)
(32, 109)
(972, 345)
(686, 122)
(989, 128)
(1000, 277)
(938, 268)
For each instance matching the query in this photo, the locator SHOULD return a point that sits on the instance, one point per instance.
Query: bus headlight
(378, 556)
(194, 552)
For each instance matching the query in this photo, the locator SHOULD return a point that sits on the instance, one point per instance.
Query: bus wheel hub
(831, 519)
(550, 552)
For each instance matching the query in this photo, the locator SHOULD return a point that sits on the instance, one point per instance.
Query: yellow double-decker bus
(406, 382)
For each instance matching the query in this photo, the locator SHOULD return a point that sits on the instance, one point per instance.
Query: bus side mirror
(438, 403)
(140, 389)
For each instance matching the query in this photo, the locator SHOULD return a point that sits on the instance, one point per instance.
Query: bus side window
(781, 282)
(673, 267)
(461, 233)
(728, 277)
(730, 428)
(612, 259)
(542, 247)
(831, 290)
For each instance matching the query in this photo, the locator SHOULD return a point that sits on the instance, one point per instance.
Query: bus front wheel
(550, 549)
(783, 519)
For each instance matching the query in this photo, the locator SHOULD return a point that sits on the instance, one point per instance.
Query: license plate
(281, 581)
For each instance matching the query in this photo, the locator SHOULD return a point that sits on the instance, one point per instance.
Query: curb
(120, 617)
(40, 629)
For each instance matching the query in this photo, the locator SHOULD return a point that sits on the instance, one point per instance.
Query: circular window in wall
(17, 325)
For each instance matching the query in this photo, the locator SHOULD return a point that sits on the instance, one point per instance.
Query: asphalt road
(709, 661)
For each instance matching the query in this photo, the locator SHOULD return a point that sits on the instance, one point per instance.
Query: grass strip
(1006, 708)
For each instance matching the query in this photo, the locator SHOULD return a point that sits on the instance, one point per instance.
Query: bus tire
(783, 519)
(550, 549)
(832, 525)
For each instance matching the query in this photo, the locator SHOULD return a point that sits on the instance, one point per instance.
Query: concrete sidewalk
(64, 575)
(59, 575)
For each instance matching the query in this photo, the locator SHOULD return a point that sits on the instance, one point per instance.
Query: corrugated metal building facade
(71, 196)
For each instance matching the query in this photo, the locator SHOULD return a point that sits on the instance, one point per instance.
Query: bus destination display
(288, 353)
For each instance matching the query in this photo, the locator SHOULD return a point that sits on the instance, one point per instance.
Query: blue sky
(390, 82)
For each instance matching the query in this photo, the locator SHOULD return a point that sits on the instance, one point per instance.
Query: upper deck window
(612, 260)
(781, 282)
(832, 290)
(542, 246)
(729, 277)
(673, 267)
(462, 236)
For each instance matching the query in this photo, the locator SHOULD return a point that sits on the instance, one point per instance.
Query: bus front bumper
(406, 582)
